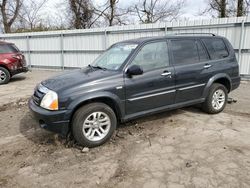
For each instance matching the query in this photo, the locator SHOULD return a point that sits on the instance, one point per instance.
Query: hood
(76, 78)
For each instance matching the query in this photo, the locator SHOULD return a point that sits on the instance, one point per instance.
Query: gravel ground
(22, 86)
(180, 148)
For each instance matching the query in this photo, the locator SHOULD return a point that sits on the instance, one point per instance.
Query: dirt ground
(180, 148)
(22, 86)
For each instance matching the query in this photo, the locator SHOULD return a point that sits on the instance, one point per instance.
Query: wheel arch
(6, 67)
(111, 100)
(221, 78)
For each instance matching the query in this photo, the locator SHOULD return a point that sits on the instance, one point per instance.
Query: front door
(155, 87)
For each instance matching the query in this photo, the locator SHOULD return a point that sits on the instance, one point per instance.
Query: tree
(242, 7)
(151, 11)
(112, 10)
(112, 13)
(227, 8)
(82, 13)
(30, 14)
(220, 6)
(10, 11)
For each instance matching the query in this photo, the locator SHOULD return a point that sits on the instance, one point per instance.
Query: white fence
(77, 48)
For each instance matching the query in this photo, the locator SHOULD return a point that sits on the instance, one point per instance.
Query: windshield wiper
(91, 66)
(98, 67)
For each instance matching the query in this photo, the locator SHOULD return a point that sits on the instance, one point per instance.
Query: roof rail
(212, 34)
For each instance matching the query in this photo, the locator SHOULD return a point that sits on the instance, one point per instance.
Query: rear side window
(185, 51)
(8, 48)
(216, 48)
(202, 53)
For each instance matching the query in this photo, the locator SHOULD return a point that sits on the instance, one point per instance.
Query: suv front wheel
(93, 124)
(216, 99)
(4, 76)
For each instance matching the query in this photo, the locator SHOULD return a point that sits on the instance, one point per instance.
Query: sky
(194, 8)
(53, 9)
(191, 10)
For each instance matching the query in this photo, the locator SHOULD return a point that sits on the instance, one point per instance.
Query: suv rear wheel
(93, 124)
(4, 76)
(216, 99)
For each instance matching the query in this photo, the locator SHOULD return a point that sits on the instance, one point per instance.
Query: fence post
(28, 49)
(62, 51)
(105, 39)
(241, 41)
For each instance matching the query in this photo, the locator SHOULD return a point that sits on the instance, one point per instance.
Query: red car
(12, 61)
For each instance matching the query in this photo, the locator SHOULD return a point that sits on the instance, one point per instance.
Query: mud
(180, 148)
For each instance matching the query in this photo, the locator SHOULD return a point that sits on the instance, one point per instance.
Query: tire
(212, 107)
(4, 75)
(87, 116)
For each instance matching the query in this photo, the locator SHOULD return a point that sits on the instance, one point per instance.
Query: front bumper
(19, 70)
(50, 120)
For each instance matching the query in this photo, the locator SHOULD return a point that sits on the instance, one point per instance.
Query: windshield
(115, 56)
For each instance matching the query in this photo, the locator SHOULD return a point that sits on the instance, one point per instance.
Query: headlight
(50, 101)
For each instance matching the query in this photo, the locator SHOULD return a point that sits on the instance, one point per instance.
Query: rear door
(191, 63)
(220, 61)
(155, 87)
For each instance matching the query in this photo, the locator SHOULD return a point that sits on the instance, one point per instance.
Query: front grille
(39, 94)
(36, 100)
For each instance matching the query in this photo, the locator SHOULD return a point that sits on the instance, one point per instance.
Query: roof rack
(212, 34)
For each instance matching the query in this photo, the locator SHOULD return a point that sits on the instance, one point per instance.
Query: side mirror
(134, 70)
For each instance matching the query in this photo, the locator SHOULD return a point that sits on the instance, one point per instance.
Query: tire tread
(77, 121)
(207, 105)
(7, 74)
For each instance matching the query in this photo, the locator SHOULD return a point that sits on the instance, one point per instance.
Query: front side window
(216, 48)
(185, 51)
(114, 57)
(152, 56)
(8, 48)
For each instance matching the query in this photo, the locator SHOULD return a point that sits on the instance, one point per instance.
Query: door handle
(166, 73)
(207, 66)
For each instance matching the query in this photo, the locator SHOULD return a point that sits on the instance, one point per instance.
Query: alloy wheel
(218, 99)
(2, 76)
(96, 126)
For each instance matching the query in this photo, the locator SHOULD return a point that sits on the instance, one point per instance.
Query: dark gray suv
(135, 78)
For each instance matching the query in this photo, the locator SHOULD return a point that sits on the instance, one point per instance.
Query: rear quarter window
(8, 48)
(216, 48)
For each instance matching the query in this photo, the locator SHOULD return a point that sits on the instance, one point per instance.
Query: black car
(135, 78)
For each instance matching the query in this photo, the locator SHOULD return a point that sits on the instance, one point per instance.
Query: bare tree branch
(29, 15)
(9, 10)
(227, 8)
(151, 11)
(112, 13)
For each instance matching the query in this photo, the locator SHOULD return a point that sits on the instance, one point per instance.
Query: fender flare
(212, 80)
(92, 96)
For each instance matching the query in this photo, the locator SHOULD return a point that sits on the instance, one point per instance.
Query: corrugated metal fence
(77, 48)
